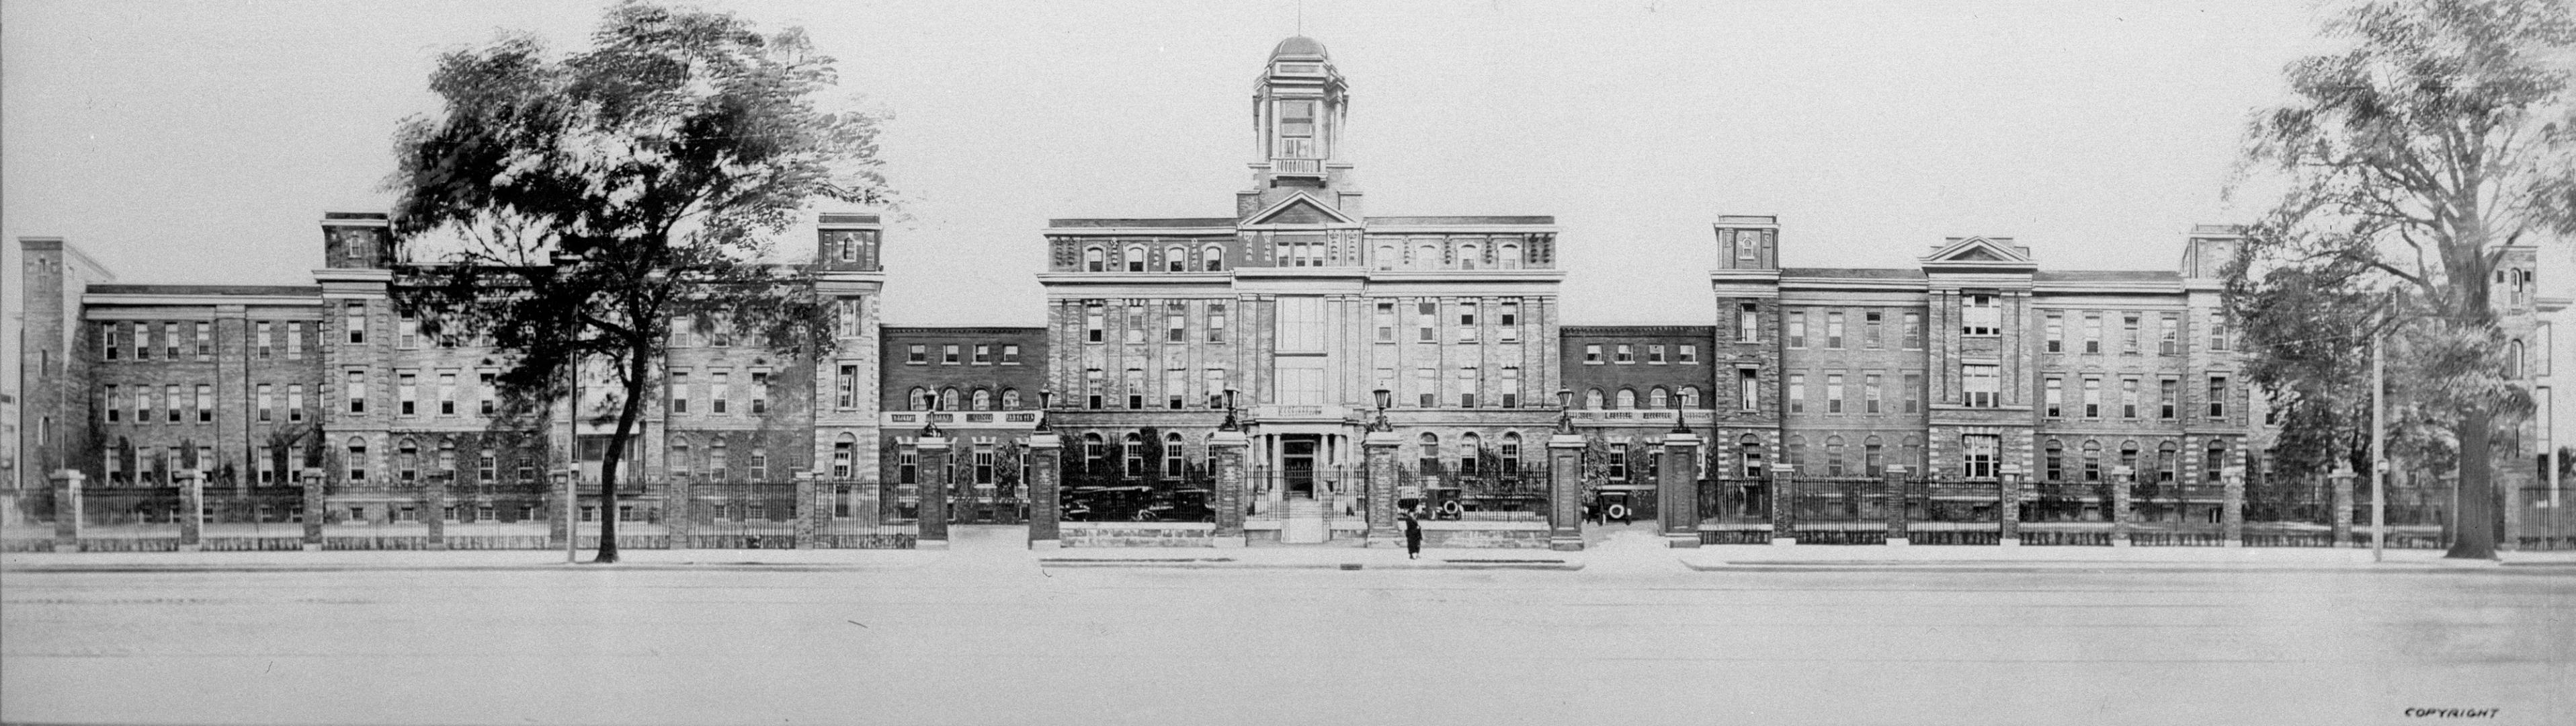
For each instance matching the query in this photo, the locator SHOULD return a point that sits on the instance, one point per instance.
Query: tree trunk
(638, 364)
(2473, 527)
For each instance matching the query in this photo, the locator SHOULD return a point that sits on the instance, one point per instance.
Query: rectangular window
(1426, 384)
(1977, 460)
(1010, 355)
(142, 341)
(2169, 334)
(1507, 322)
(846, 387)
(2129, 334)
(1302, 325)
(1870, 330)
(1797, 393)
(1833, 393)
(355, 322)
(110, 340)
(1216, 323)
(2054, 326)
(2217, 396)
(2217, 330)
(1748, 389)
(446, 394)
(2092, 333)
(1426, 320)
(2092, 396)
(1869, 393)
(1176, 323)
(916, 354)
(1511, 387)
(1386, 322)
(115, 414)
(1980, 315)
(407, 393)
(1175, 388)
(1748, 322)
(486, 398)
(1798, 329)
(721, 330)
(1467, 387)
(295, 341)
(948, 354)
(267, 396)
(1592, 353)
(170, 404)
(406, 332)
(1618, 462)
(983, 354)
(2168, 397)
(1913, 331)
(205, 341)
(1624, 354)
(295, 403)
(1654, 355)
(1833, 331)
(719, 392)
(1981, 386)
(1913, 393)
(265, 342)
(170, 340)
(2052, 397)
(759, 392)
(205, 404)
(2128, 397)
(1093, 321)
(1690, 355)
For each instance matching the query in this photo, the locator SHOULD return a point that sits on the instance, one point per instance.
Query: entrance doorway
(1297, 463)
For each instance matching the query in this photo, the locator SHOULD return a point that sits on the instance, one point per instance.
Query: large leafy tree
(571, 209)
(2432, 134)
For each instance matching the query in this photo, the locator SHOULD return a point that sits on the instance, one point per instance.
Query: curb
(2489, 567)
(556, 567)
(1228, 563)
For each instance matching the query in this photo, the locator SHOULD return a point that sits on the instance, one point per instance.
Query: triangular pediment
(1299, 209)
(1976, 250)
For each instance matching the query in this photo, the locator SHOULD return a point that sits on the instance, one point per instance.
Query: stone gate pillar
(1565, 492)
(1380, 446)
(2340, 524)
(1677, 490)
(1897, 497)
(2124, 485)
(562, 508)
(192, 509)
(679, 513)
(67, 509)
(2008, 506)
(316, 508)
(1044, 490)
(933, 522)
(1784, 497)
(800, 518)
(2231, 522)
(434, 505)
(1230, 495)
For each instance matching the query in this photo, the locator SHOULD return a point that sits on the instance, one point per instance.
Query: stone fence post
(67, 509)
(2008, 506)
(1565, 492)
(1380, 467)
(316, 508)
(1046, 498)
(1897, 498)
(933, 521)
(1229, 447)
(2124, 495)
(1784, 501)
(192, 509)
(434, 509)
(2341, 523)
(2231, 523)
(1677, 495)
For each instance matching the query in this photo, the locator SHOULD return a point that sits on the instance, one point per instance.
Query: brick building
(980, 387)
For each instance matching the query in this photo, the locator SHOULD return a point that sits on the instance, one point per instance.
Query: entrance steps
(1303, 523)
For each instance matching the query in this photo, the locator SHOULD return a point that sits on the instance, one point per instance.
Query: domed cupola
(1299, 105)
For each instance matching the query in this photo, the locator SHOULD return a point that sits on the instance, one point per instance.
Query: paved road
(984, 638)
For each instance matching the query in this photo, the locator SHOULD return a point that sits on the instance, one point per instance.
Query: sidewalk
(2028, 558)
(342, 560)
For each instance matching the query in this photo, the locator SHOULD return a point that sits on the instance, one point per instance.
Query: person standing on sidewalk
(1412, 534)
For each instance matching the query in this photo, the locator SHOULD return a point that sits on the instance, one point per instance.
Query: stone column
(2124, 485)
(561, 505)
(1043, 489)
(192, 509)
(1677, 490)
(1228, 499)
(679, 513)
(2008, 506)
(434, 505)
(1896, 514)
(2341, 522)
(800, 521)
(1784, 497)
(2508, 482)
(933, 524)
(316, 509)
(67, 509)
(2231, 522)
(1565, 492)
(1381, 446)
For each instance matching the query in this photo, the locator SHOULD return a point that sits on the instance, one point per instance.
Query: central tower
(1299, 104)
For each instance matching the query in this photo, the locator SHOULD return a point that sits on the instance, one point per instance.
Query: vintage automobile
(1136, 504)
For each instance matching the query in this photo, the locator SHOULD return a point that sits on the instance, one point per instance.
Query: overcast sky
(199, 142)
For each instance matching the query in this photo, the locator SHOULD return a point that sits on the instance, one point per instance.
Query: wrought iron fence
(1480, 494)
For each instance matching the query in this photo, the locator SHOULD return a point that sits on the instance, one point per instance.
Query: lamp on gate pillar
(1384, 398)
(1230, 423)
(930, 419)
(1046, 401)
(1565, 411)
(1679, 426)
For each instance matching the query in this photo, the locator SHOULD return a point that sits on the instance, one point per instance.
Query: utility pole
(2378, 451)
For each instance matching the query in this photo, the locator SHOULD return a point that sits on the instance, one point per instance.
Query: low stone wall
(1137, 534)
(1485, 535)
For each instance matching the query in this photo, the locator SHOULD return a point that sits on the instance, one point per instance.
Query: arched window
(1658, 399)
(1627, 398)
(1749, 453)
(1511, 453)
(679, 463)
(1468, 257)
(719, 461)
(1833, 456)
(1208, 446)
(2513, 363)
(1093, 450)
(1212, 259)
(1133, 447)
(1135, 258)
(2166, 455)
(919, 400)
(1509, 256)
(1592, 399)
(1429, 460)
(983, 400)
(1010, 399)
(1471, 449)
(1386, 257)
(845, 452)
(447, 457)
(2092, 460)
(2213, 462)
(1172, 451)
(1873, 457)
(1690, 397)
(1798, 453)
(1913, 455)
(357, 462)
(2129, 456)
(1094, 260)
(948, 399)
(1175, 259)
(407, 461)
(2052, 462)
(1426, 257)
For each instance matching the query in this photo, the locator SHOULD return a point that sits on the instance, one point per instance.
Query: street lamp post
(1384, 398)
